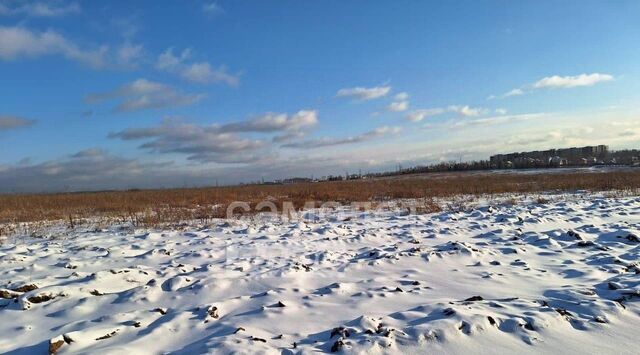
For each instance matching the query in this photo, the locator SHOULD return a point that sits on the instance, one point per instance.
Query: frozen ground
(562, 277)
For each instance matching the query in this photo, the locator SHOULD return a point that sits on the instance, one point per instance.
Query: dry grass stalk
(154, 207)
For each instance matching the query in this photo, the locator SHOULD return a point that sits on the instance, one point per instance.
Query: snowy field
(561, 277)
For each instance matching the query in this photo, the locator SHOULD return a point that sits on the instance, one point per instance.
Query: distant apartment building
(552, 157)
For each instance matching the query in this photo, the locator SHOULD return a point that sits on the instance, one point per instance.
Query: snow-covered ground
(562, 277)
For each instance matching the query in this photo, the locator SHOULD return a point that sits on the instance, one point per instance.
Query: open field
(154, 207)
(523, 277)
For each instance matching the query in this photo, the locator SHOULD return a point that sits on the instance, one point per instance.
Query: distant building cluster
(580, 156)
(298, 180)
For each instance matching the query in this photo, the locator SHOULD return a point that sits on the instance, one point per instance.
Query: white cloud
(514, 92)
(144, 94)
(203, 73)
(288, 136)
(331, 141)
(400, 103)
(402, 96)
(89, 153)
(222, 143)
(200, 72)
(200, 143)
(495, 120)
(16, 42)
(466, 111)
(40, 9)
(19, 42)
(381, 131)
(558, 82)
(169, 61)
(501, 111)
(364, 94)
(398, 106)
(419, 115)
(273, 122)
(212, 8)
(129, 54)
(572, 81)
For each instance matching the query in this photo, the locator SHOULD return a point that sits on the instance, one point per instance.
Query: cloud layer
(39, 9)
(364, 94)
(564, 82)
(330, 141)
(17, 42)
(464, 111)
(558, 82)
(86, 170)
(274, 122)
(199, 143)
(143, 94)
(221, 143)
(197, 72)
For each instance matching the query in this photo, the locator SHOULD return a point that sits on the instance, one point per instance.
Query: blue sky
(171, 93)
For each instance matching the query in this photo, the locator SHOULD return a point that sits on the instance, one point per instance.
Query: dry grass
(153, 207)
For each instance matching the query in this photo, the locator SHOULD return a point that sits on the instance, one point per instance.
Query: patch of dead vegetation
(152, 208)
